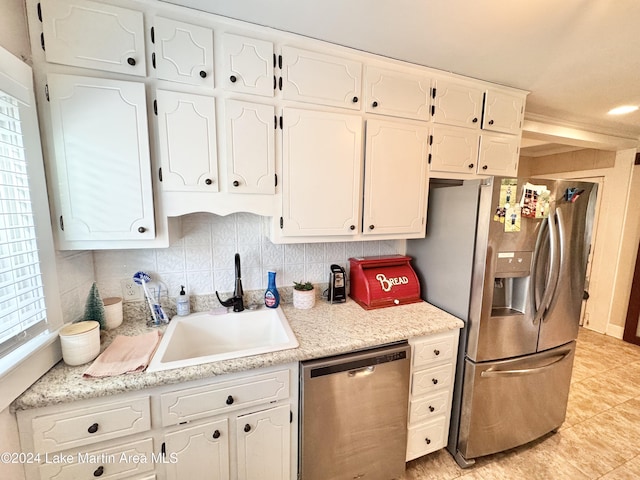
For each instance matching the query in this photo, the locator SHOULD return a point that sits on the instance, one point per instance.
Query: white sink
(206, 337)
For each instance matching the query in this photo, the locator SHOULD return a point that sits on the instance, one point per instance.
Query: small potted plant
(304, 295)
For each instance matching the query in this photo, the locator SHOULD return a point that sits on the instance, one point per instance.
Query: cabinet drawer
(79, 427)
(425, 438)
(121, 461)
(193, 403)
(432, 379)
(434, 349)
(426, 408)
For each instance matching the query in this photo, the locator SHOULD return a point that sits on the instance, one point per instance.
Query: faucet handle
(225, 303)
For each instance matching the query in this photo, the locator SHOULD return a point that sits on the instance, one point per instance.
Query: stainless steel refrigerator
(507, 256)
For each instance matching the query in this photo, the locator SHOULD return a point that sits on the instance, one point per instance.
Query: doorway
(631, 333)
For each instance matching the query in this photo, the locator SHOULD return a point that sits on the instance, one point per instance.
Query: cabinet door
(322, 171)
(248, 65)
(395, 183)
(264, 444)
(503, 112)
(454, 150)
(102, 159)
(395, 93)
(187, 134)
(183, 52)
(318, 78)
(250, 147)
(457, 104)
(499, 154)
(198, 451)
(93, 35)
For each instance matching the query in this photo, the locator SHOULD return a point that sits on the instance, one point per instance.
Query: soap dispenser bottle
(182, 303)
(271, 296)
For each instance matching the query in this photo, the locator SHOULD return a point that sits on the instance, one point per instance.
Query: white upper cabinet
(183, 52)
(397, 93)
(322, 171)
(93, 35)
(454, 149)
(503, 112)
(187, 135)
(248, 65)
(320, 78)
(250, 147)
(102, 160)
(395, 181)
(499, 154)
(457, 104)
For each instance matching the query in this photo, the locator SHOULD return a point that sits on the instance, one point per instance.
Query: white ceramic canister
(80, 342)
(112, 312)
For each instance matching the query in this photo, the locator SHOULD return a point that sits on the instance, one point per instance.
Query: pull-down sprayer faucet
(236, 301)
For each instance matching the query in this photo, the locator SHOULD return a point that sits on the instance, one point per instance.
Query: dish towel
(124, 355)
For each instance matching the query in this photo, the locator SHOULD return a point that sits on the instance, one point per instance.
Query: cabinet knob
(208, 181)
(371, 227)
(352, 227)
(484, 167)
(247, 428)
(203, 74)
(475, 120)
(141, 229)
(436, 352)
(355, 100)
(233, 78)
(131, 61)
(374, 104)
(435, 381)
(229, 400)
(490, 122)
(427, 440)
(98, 471)
(216, 434)
(236, 183)
(93, 428)
(431, 408)
(471, 165)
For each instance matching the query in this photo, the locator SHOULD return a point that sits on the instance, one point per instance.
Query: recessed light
(623, 109)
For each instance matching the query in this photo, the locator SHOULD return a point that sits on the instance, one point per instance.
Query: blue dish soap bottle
(271, 296)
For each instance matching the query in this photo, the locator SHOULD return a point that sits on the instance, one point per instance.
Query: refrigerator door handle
(535, 294)
(561, 260)
(554, 266)
(491, 372)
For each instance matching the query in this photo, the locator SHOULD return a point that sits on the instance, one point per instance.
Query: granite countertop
(322, 331)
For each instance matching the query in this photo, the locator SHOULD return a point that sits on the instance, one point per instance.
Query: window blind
(22, 305)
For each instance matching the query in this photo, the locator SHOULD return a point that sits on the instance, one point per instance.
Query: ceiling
(577, 58)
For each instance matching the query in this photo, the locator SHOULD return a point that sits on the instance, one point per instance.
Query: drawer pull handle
(93, 428)
(98, 471)
(428, 440)
(435, 381)
(216, 434)
(229, 400)
(436, 352)
(247, 428)
(431, 408)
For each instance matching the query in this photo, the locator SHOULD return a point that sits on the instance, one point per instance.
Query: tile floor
(599, 439)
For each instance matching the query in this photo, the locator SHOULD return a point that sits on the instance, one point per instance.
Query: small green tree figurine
(94, 308)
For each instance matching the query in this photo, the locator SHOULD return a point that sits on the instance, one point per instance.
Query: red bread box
(383, 281)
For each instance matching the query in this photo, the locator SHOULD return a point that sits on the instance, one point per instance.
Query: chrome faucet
(236, 301)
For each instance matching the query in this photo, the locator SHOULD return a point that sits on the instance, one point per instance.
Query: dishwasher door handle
(362, 372)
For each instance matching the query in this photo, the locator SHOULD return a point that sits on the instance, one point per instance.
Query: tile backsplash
(203, 260)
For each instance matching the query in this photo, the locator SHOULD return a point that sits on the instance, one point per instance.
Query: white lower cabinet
(433, 367)
(239, 426)
(198, 451)
(499, 154)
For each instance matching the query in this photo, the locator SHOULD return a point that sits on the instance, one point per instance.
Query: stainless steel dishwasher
(354, 415)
